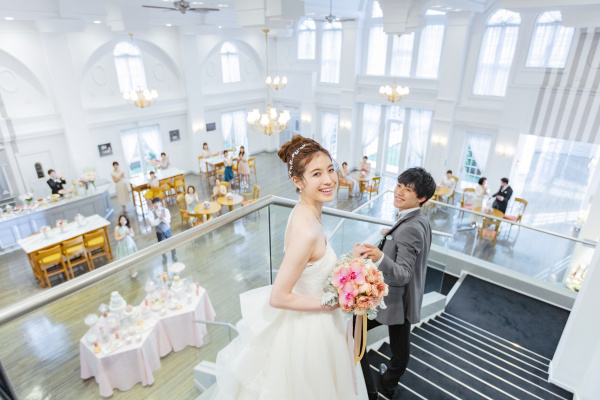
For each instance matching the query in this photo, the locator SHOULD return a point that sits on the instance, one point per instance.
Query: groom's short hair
(420, 181)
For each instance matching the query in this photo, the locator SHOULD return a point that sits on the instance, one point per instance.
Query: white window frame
(429, 56)
(230, 62)
(330, 142)
(331, 54)
(307, 40)
(130, 66)
(553, 53)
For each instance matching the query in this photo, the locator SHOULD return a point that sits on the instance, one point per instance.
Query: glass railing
(48, 350)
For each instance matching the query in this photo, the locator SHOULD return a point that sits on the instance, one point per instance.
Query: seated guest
(153, 188)
(191, 201)
(365, 166)
(345, 177)
(55, 182)
(502, 196)
(164, 161)
(228, 163)
(449, 182)
(220, 189)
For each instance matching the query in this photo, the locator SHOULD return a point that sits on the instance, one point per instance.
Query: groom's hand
(373, 253)
(358, 250)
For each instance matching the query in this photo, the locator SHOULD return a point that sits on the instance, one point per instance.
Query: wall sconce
(306, 118)
(505, 151)
(439, 140)
(199, 127)
(346, 125)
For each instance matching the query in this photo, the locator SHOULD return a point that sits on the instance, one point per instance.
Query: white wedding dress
(290, 355)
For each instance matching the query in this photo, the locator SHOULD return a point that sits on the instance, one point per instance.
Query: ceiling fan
(332, 18)
(183, 7)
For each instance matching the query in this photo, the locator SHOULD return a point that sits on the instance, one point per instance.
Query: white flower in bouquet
(229, 196)
(90, 177)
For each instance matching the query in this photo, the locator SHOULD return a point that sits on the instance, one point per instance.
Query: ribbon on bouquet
(360, 337)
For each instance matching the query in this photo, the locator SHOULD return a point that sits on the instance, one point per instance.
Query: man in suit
(55, 182)
(502, 196)
(402, 258)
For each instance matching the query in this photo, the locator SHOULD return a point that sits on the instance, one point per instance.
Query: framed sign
(174, 135)
(105, 150)
(211, 127)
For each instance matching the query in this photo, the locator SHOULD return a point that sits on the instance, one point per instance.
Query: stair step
(483, 349)
(512, 385)
(421, 384)
(497, 341)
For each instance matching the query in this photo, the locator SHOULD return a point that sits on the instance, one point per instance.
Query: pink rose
(365, 288)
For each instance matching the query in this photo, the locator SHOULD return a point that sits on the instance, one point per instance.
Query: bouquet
(79, 219)
(89, 176)
(28, 197)
(45, 230)
(153, 162)
(61, 223)
(164, 277)
(206, 205)
(229, 196)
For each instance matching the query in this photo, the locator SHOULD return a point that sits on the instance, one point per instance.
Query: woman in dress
(228, 175)
(345, 177)
(164, 161)
(243, 168)
(365, 166)
(153, 188)
(118, 178)
(481, 190)
(289, 345)
(206, 153)
(191, 201)
(125, 243)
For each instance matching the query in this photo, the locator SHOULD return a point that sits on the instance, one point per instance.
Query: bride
(289, 345)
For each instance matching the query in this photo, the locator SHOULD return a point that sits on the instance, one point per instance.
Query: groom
(402, 258)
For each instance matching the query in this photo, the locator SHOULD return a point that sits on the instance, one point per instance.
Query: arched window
(378, 41)
(130, 66)
(430, 45)
(376, 11)
(230, 63)
(497, 52)
(307, 35)
(331, 52)
(550, 43)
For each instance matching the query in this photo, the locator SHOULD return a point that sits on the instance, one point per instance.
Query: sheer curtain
(430, 49)
(129, 139)
(227, 124)
(150, 136)
(551, 42)
(329, 127)
(331, 52)
(129, 66)
(239, 128)
(377, 51)
(418, 135)
(497, 52)
(230, 63)
(307, 37)
(370, 131)
(480, 148)
(402, 49)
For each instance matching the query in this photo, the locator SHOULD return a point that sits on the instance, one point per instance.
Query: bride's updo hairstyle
(297, 153)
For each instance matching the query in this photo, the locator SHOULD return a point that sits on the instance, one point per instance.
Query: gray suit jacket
(404, 267)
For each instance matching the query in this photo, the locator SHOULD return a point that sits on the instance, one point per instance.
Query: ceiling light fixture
(9, 18)
(168, 25)
(394, 93)
(276, 82)
(140, 97)
(97, 22)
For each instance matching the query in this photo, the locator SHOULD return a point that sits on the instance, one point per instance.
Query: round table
(362, 180)
(495, 213)
(237, 199)
(442, 191)
(207, 212)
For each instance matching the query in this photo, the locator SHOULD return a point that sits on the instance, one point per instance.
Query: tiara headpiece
(292, 159)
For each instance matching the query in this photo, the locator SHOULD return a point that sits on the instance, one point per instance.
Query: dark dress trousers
(506, 192)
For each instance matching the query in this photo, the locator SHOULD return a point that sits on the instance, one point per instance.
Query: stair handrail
(219, 323)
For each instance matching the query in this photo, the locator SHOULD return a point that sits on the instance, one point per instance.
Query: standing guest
(55, 182)
(164, 161)
(449, 182)
(365, 166)
(228, 163)
(481, 190)
(125, 243)
(160, 219)
(502, 196)
(243, 168)
(206, 153)
(118, 177)
(153, 188)
(345, 177)
(191, 201)
(402, 258)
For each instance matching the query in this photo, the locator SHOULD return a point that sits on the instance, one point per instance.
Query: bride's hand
(358, 250)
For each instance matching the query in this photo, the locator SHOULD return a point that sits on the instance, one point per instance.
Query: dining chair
(75, 254)
(516, 212)
(219, 170)
(51, 262)
(373, 187)
(489, 230)
(97, 245)
(179, 184)
(252, 166)
(451, 196)
(255, 194)
(340, 184)
(466, 201)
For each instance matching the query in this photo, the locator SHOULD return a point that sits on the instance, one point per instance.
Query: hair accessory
(292, 159)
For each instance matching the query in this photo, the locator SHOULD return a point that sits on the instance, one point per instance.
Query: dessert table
(236, 199)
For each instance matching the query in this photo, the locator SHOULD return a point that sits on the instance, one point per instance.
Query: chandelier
(141, 98)
(394, 93)
(269, 122)
(276, 82)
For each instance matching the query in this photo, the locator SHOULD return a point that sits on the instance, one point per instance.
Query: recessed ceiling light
(8, 18)
(168, 25)
(197, 2)
(220, 27)
(97, 22)
(223, 5)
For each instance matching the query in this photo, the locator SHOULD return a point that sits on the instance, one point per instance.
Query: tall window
(139, 146)
(395, 126)
(430, 46)
(377, 51)
(329, 129)
(307, 37)
(234, 129)
(230, 63)
(130, 66)
(477, 149)
(370, 131)
(497, 52)
(418, 137)
(551, 42)
(402, 49)
(331, 52)
(376, 11)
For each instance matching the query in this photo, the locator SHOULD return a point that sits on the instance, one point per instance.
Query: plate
(54, 196)
(91, 319)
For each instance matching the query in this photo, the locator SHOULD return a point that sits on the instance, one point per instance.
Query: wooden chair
(466, 201)
(167, 190)
(516, 211)
(179, 184)
(247, 199)
(451, 196)
(219, 172)
(75, 254)
(234, 167)
(207, 172)
(489, 230)
(51, 262)
(373, 187)
(252, 166)
(341, 184)
(96, 245)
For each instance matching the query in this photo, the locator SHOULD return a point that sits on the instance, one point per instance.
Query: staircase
(453, 359)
